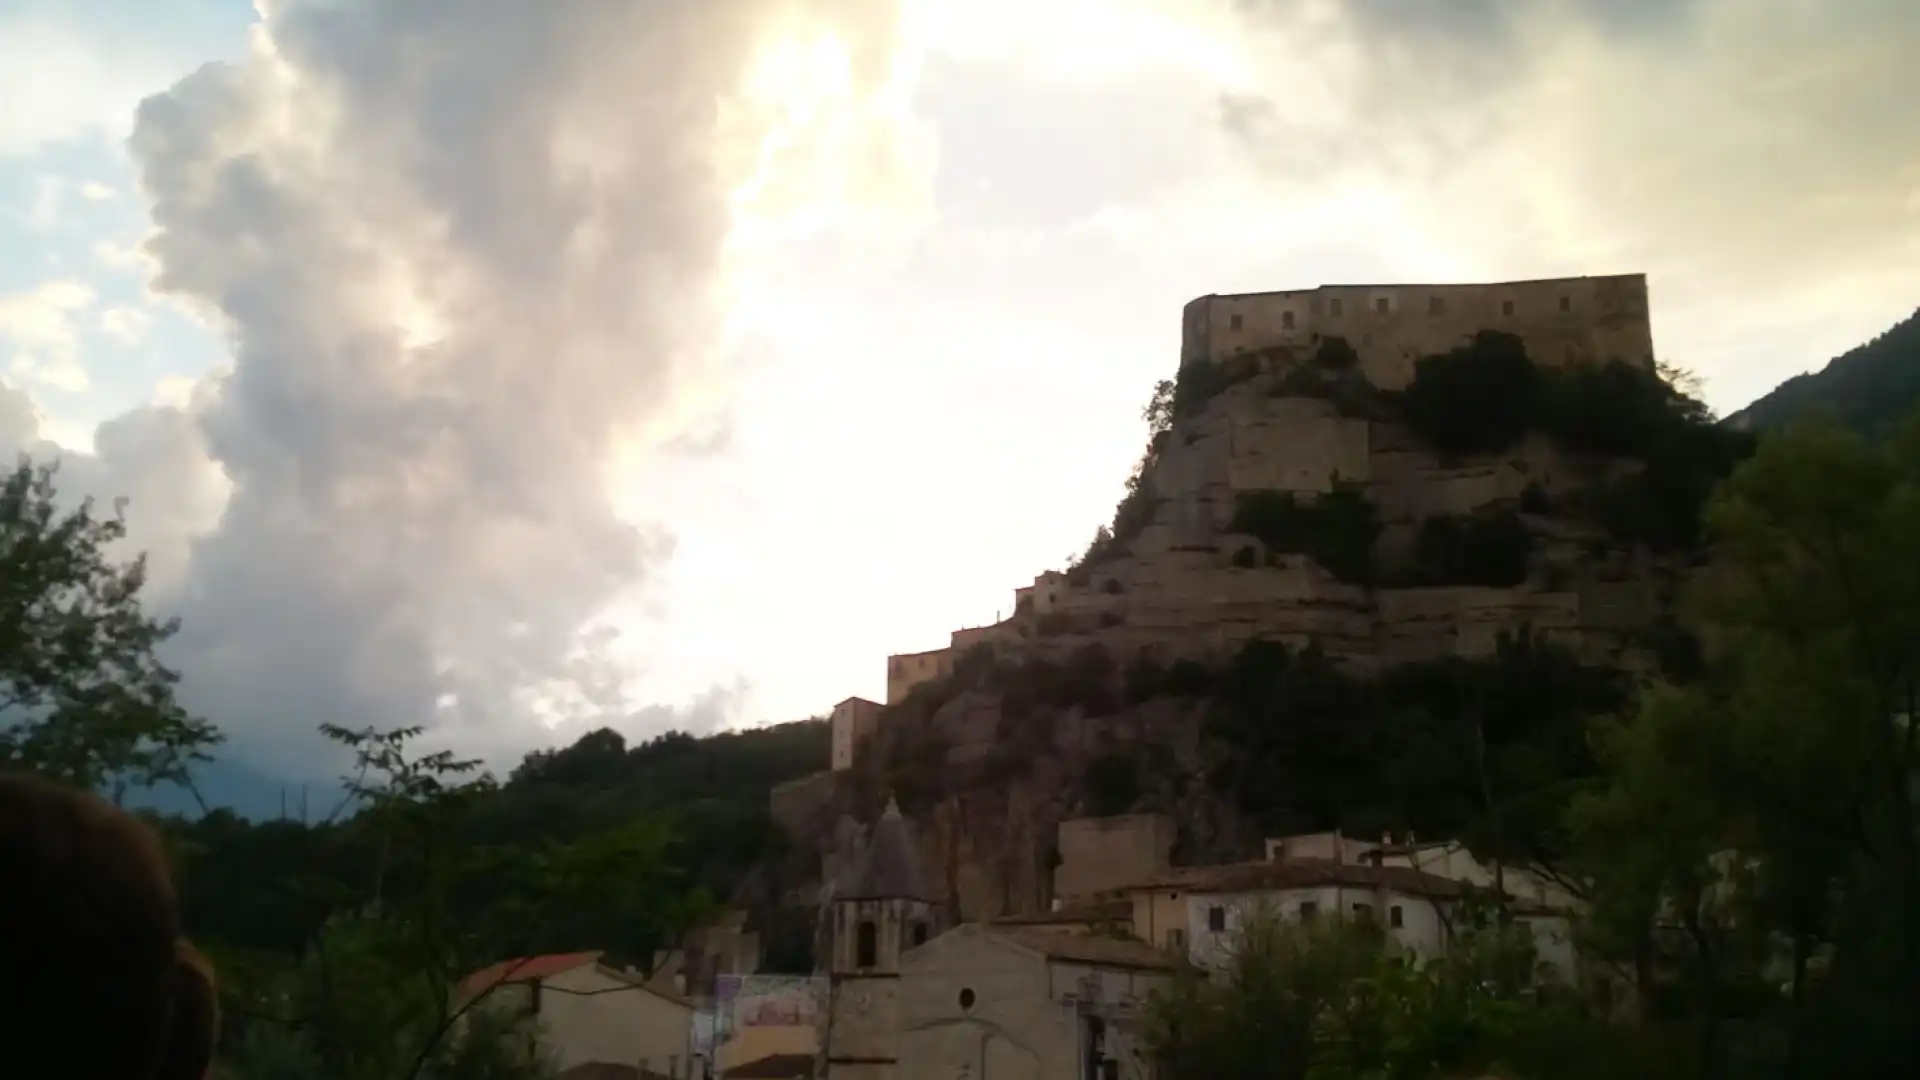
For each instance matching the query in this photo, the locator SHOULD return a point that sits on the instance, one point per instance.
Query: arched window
(866, 943)
(919, 933)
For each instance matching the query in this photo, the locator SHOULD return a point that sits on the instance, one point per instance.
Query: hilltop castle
(1190, 585)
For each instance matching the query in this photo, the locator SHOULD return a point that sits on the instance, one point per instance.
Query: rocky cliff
(1283, 500)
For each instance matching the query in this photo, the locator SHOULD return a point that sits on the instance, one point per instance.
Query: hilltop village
(1340, 499)
(1031, 953)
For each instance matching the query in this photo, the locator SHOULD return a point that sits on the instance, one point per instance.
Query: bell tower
(884, 909)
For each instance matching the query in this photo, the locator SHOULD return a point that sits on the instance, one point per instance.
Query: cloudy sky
(513, 367)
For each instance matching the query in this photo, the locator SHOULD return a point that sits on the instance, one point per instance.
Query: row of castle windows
(1436, 305)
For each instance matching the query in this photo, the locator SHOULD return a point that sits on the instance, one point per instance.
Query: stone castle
(1187, 586)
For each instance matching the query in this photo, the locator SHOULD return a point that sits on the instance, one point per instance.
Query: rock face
(1275, 422)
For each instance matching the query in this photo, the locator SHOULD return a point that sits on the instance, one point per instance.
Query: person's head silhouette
(90, 935)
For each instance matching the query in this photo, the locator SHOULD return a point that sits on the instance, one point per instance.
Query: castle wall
(908, 670)
(1563, 321)
(854, 722)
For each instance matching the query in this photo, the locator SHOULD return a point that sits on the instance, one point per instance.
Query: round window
(966, 997)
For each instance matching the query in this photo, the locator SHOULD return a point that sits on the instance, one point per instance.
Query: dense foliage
(82, 695)
(1868, 389)
(1489, 549)
(1337, 529)
(1483, 749)
(1335, 1000)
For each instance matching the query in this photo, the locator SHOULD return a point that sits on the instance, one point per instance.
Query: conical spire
(891, 870)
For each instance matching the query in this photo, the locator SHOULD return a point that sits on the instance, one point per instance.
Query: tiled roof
(526, 969)
(1096, 951)
(533, 968)
(1113, 911)
(773, 1067)
(892, 867)
(1302, 874)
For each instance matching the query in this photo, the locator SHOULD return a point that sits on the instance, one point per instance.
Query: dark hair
(90, 932)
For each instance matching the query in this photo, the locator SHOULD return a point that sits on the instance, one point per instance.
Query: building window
(1363, 912)
(1506, 307)
(1176, 940)
(867, 945)
(919, 933)
(1216, 919)
(966, 997)
(1380, 305)
(1436, 305)
(1308, 909)
(1566, 304)
(1233, 322)
(1286, 320)
(1394, 917)
(1334, 305)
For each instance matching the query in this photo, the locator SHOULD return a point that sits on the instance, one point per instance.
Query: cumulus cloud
(126, 325)
(1754, 156)
(464, 252)
(42, 326)
(150, 462)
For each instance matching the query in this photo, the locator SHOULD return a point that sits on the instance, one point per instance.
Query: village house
(1197, 912)
(581, 1011)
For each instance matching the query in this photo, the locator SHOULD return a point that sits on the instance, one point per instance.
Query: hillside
(1323, 603)
(1869, 388)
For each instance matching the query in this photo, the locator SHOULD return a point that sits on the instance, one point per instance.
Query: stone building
(854, 721)
(883, 910)
(1015, 1002)
(1564, 321)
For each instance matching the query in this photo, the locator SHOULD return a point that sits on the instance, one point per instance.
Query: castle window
(1395, 917)
(1176, 940)
(1334, 305)
(866, 945)
(1380, 305)
(919, 933)
(967, 997)
(1233, 322)
(1286, 320)
(1363, 912)
(1566, 304)
(1216, 919)
(1308, 909)
(1506, 307)
(1436, 305)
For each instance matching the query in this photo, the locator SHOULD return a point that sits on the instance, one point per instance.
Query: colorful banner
(745, 1001)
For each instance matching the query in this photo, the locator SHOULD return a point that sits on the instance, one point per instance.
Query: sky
(514, 370)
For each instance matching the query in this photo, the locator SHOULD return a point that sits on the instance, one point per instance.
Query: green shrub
(1476, 399)
(1337, 530)
(1145, 679)
(1112, 784)
(1477, 549)
(1334, 352)
(1188, 679)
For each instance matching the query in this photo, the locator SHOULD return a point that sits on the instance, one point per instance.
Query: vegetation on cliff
(1747, 842)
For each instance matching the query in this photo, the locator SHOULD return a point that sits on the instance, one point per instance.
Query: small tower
(881, 911)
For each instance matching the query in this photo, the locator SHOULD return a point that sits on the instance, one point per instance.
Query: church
(909, 998)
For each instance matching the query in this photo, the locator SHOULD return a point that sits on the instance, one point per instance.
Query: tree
(83, 698)
(1764, 816)
(376, 995)
(1338, 1000)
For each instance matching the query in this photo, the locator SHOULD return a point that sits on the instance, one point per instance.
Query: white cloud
(95, 191)
(125, 324)
(465, 256)
(42, 326)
